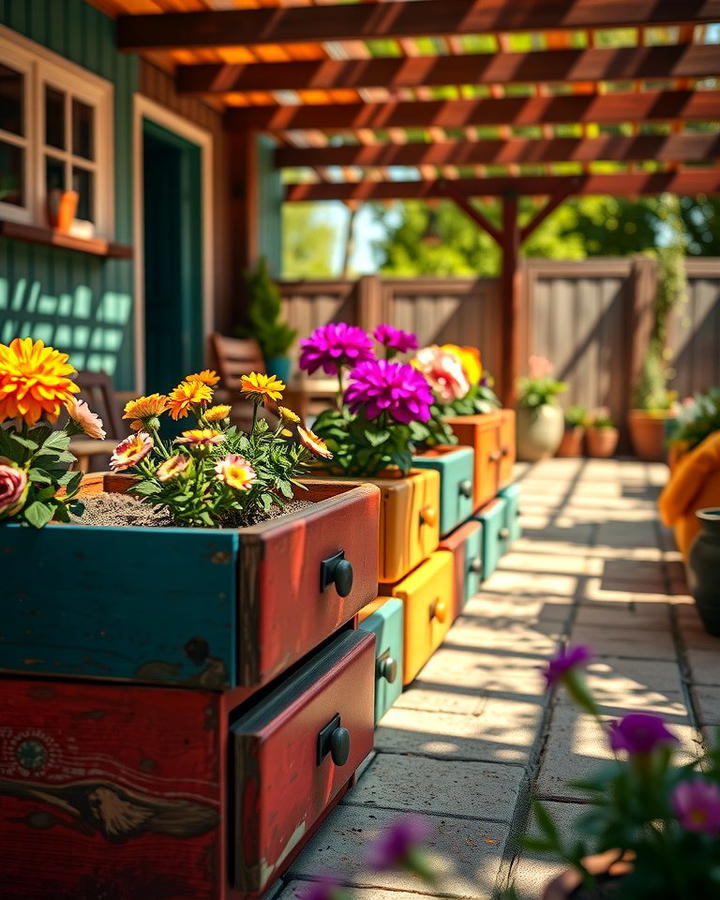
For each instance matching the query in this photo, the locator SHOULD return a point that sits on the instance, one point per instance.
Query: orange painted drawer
(507, 446)
(292, 757)
(427, 595)
(483, 434)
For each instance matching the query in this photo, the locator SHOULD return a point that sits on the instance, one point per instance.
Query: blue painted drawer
(495, 534)
(455, 465)
(384, 618)
(511, 496)
(465, 544)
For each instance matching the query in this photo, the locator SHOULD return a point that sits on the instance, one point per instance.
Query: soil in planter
(110, 509)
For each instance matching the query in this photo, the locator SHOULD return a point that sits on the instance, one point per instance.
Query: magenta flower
(395, 846)
(565, 661)
(696, 803)
(639, 733)
(395, 339)
(328, 887)
(395, 388)
(334, 345)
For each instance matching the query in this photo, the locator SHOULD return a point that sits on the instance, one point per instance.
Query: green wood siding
(79, 303)
(270, 200)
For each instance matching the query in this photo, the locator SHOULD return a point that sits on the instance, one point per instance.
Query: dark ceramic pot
(704, 569)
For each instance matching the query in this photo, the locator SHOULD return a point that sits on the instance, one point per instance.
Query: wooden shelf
(35, 234)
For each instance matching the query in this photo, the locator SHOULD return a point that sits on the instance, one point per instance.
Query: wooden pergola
(456, 99)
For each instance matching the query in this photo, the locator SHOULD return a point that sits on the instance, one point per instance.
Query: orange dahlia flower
(34, 380)
(208, 376)
(288, 415)
(217, 413)
(145, 407)
(187, 395)
(262, 387)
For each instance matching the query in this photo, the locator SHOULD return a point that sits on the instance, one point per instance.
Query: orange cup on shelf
(66, 210)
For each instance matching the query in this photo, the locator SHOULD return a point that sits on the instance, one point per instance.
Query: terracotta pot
(648, 434)
(562, 887)
(572, 442)
(601, 442)
(539, 431)
(704, 569)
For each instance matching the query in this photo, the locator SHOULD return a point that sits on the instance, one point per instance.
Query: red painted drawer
(283, 779)
(465, 545)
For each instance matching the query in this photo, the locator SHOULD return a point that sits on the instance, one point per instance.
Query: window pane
(82, 126)
(54, 118)
(54, 175)
(83, 184)
(12, 181)
(11, 100)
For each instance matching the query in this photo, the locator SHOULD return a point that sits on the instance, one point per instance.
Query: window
(55, 136)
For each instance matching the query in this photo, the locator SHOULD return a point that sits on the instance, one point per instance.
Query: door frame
(145, 108)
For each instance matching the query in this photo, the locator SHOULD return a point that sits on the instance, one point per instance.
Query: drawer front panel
(427, 595)
(386, 623)
(473, 562)
(410, 526)
(465, 545)
(285, 772)
(110, 791)
(495, 535)
(507, 445)
(456, 468)
(511, 495)
(483, 434)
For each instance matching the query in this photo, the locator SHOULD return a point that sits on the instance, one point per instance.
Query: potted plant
(601, 436)
(697, 418)
(653, 402)
(191, 538)
(572, 439)
(540, 420)
(264, 313)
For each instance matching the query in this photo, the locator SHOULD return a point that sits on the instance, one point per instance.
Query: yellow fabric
(694, 484)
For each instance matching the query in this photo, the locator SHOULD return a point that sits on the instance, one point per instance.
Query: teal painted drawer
(455, 465)
(511, 496)
(384, 618)
(495, 534)
(465, 543)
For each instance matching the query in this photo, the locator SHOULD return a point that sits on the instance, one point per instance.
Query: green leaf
(38, 514)
(24, 442)
(545, 823)
(77, 507)
(376, 438)
(73, 483)
(146, 488)
(57, 440)
(37, 476)
(61, 513)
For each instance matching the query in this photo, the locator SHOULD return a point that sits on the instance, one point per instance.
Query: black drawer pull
(387, 668)
(335, 740)
(504, 534)
(495, 456)
(338, 571)
(476, 566)
(466, 488)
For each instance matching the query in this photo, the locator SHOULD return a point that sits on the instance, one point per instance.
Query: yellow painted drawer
(427, 595)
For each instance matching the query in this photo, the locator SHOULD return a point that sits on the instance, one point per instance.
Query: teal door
(172, 213)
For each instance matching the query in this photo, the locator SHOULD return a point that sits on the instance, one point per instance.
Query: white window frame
(42, 67)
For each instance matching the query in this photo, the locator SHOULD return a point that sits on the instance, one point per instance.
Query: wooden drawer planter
(427, 599)
(456, 466)
(384, 618)
(482, 433)
(508, 446)
(511, 496)
(465, 544)
(212, 608)
(409, 520)
(495, 534)
(115, 791)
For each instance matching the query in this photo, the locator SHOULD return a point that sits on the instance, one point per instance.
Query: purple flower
(394, 847)
(327, 887)
(639, 733)
(697, 805)
(565, 661)
(395, 339)
(395, 388)
(334, 345)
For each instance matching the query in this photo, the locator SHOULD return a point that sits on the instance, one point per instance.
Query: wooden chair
(96, 389)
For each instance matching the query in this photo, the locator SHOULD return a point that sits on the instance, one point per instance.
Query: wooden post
(511, 299)
(370, 302)
(243, 205)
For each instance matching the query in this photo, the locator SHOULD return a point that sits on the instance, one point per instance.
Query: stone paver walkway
(475, 736)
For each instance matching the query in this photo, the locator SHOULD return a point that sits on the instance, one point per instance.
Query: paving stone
(451, 698)
(633, 678)
(465, 852)
(537, 584)
(297, 888)
(704, 665)
(632, 616)
(612, 640)
(442, 787)
(707, 702)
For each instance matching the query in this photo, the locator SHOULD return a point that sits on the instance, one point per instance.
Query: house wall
(79, 303)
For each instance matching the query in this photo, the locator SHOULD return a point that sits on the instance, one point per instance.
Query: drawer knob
(505, 451)
(439, 610)
(338, 571)
(465, 488)
(388, 669)
(504, 534)
(476, 566)
(495, 456)
(428, 516)
(335, 741)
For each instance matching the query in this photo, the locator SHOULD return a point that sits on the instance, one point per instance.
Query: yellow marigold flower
(187, 395)
(34, 380)
(286, 432)
(469, 359)
(217, 413)
(137, 425)
(201, 436)
(207, 376)
(262, 387)
(236, 472)
(313, 443)
(145, 407)
(289, 415)
(172, 467)
(129, 452)
(90, 422)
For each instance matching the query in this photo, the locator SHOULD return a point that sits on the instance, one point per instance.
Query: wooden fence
(590, 317)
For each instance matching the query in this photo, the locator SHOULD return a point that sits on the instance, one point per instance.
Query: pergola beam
(688, 181)
(679, 148)
(367, 21)
(547, 66)
(601, 109)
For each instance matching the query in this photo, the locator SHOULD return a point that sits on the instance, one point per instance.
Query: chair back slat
(235, 357)
(96, 389)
